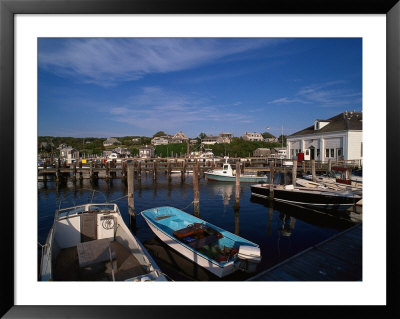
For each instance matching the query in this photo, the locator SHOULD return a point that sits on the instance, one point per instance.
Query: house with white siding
(337, 138)
(253, 137)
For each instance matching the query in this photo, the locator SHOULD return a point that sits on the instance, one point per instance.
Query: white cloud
(168, 111)
(109, 61)
(327, 94)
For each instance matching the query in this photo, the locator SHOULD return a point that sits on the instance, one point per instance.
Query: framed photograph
(100, 70)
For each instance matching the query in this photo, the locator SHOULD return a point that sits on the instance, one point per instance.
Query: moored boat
(227, 174)
(318, 198)
(207, 245)
(92, 243)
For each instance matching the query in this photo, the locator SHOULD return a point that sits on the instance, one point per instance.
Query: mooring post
(329, 165)
(271, 179)
(237, 188)
(80, 170)
(169, 170)
(131, 191)
(314, 176)
(183, 170)
(196, 193)
(303, 164)
(91, 170)
(236, 209)
(294, 173)
(198, 170)
(139, 174)
(74, 172)
(154, 169)
(44, 171)
(58, 171)
(107, 171)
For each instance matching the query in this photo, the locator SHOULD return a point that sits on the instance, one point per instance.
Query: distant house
(209, 140)
(193, 141)
(262, 152)
(161, 140)
(271, 140)
(61, 146)
(123, 151)
(252, 137)
(224, 138)
(179, 138)
(146, 151)
(69, 154)
(337, 138)
(111, 141)
(136, 140)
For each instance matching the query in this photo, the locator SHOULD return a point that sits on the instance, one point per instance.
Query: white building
(161, 140)
(337, 138)
(252, 137)
(146, 151)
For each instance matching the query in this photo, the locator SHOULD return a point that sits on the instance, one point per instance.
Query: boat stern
(248, 258)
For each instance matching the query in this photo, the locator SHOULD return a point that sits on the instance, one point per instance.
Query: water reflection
(281, 230)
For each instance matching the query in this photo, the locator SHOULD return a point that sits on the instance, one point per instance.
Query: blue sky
(95, 87)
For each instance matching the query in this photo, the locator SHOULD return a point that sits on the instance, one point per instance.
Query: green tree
(159, 133)
(267, 135)
(202, 136)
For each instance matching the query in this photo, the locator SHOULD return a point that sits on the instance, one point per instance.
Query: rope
(187, 205)
(114, 200)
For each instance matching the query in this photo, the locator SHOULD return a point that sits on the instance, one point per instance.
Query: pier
(184, 165)
(338, 258)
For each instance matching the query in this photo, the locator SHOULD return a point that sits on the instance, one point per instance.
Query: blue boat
(207, 245)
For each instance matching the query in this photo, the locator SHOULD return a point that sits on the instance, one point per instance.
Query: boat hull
(243, 178)
(192, 255)
(167, 222)
(317, 199)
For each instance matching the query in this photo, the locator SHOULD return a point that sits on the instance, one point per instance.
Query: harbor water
(280, 230)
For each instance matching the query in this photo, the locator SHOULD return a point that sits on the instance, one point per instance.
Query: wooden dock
(338, 258)
(157, 166)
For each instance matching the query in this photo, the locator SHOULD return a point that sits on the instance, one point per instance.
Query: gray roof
(346, 121)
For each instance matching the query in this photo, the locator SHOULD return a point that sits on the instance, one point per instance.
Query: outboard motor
(249, 257)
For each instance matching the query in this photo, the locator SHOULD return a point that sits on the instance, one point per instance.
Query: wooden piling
(303, 164)
(57, 171)
(196, 193)
(107, 171)
(131, 199)
(237, 188)
(169, 170)
(314, 176)
(183, 170)
(139, 174)
(271, 179)
(294, 173)
(154, 169)
(329, 165)
(74, 173)
(91, 170)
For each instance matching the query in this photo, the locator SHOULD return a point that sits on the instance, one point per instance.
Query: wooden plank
(336, 259)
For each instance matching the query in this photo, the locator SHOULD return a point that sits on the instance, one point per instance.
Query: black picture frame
(8, 8)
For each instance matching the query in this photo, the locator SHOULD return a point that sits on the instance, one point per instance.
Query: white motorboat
(92, 243)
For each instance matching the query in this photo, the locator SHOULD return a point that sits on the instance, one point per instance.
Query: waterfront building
(252, 137)
(69, 154)
(146, 151)
(337, 138)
